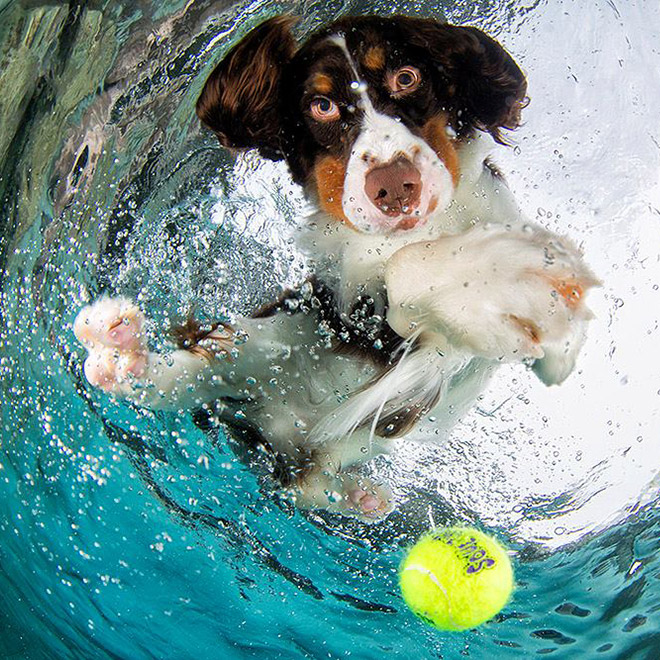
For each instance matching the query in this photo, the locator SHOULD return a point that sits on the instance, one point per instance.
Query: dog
(427, 276)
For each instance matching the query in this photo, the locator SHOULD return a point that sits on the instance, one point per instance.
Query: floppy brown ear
(240, 100)
(484, 82)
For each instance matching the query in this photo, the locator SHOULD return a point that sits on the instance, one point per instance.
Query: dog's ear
(484, 83)
(240, 100)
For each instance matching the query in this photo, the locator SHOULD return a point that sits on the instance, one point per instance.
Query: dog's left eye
(324, 109)
(404, 80)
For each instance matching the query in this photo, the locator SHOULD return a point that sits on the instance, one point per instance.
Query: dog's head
(370, 113)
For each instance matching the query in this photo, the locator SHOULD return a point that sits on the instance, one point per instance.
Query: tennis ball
(456, 578)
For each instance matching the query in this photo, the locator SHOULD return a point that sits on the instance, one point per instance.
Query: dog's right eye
(324, 109)
(404, 81)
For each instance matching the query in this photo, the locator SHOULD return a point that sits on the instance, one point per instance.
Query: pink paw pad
(112, 332)
(111, 322)
(369, 503)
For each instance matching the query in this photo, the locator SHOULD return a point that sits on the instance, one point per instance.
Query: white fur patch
(495, 291)
(416, 383)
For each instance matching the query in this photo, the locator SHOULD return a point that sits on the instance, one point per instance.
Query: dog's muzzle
(394, 179)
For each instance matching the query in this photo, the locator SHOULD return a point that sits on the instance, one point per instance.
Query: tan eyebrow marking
(374, 58)
(322, 83)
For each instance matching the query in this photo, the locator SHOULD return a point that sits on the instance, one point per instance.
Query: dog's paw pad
(368, 501)
(111, 323)
(112, 330)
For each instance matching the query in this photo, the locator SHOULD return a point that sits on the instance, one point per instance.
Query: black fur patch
(361, 334)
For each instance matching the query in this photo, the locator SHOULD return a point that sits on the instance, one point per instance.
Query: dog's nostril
(381, 193)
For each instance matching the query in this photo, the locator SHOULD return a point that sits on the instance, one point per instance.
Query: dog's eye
(404, 80)
(323, 109)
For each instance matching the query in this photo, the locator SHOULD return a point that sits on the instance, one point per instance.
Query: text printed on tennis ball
(470, 551)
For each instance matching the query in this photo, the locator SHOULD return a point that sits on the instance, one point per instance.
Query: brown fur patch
(494, 169)
(322, 83)
(374, 58)
(571, 291)
(189, 335)
(240, 100)
(401, 422)
(435, 134)
(528, 327)
(329, 174)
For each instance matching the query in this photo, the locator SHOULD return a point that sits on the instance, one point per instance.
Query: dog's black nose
(394, 188)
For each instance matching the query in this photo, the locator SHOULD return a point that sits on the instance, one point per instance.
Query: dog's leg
(112, 330)
(364, 424)
(119, 362)
(500, 292)
(330, 484)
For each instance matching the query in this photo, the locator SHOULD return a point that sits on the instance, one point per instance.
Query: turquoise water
(129, 534)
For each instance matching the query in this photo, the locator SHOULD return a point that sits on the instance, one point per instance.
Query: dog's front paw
(112, 330)
(498, 292)
(347, 493)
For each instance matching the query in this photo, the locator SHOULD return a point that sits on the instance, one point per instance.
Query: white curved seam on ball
(434, 579)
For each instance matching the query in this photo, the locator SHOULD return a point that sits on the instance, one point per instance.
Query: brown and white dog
(426, 277)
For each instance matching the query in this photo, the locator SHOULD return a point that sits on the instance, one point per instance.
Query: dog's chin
(377, 222)
(402, 223)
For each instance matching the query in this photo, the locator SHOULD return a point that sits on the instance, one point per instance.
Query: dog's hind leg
(345, 492)
(331, 482)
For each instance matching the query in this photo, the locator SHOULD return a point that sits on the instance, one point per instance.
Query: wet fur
(320, 377)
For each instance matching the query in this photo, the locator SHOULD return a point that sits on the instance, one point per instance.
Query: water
(129, 534)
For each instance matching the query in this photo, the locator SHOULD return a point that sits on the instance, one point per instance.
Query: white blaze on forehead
(381, 140)
(358, 86)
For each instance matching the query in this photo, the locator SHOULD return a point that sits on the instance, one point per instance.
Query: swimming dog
(427, 276)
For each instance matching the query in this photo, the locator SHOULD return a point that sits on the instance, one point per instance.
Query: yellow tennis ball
(456, 578)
